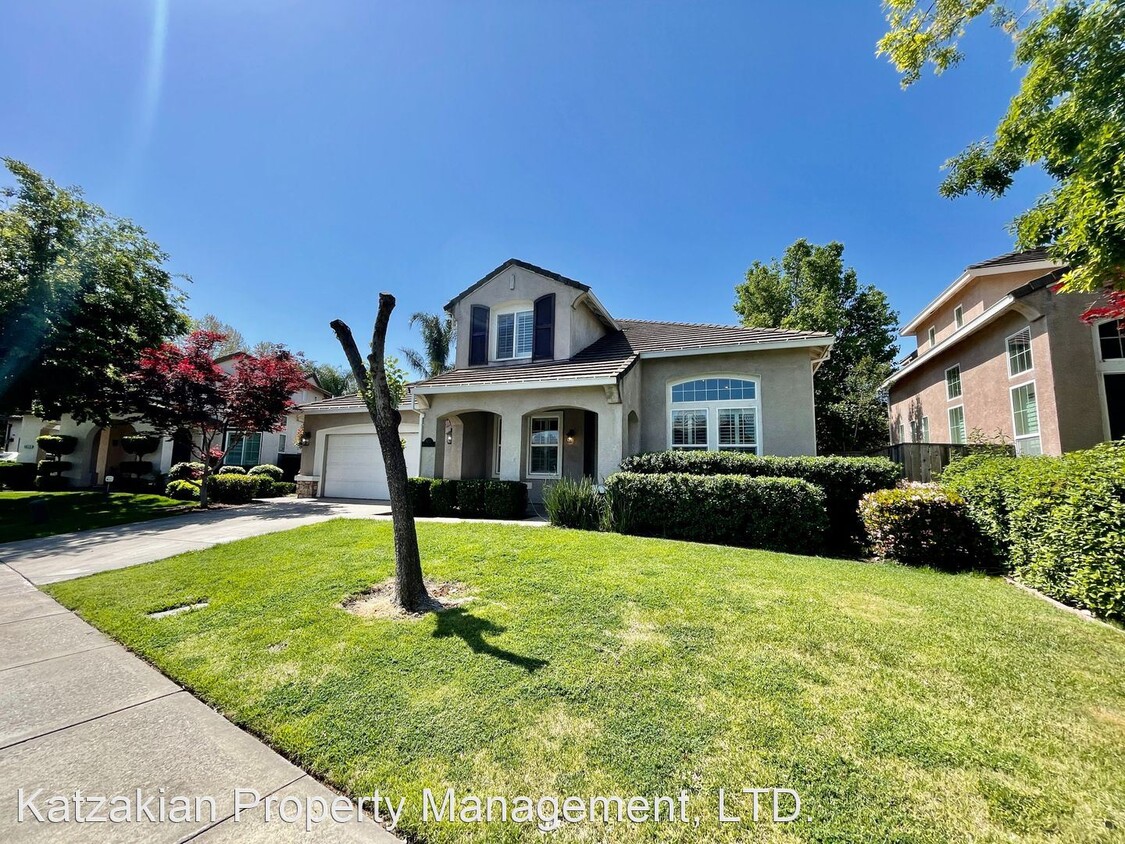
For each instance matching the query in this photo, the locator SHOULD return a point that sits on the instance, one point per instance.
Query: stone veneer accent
(307, 489)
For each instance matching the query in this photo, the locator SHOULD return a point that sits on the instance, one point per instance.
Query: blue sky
(295, 158)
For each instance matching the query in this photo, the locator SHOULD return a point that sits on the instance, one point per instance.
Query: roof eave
(728, 348)
(506, 386)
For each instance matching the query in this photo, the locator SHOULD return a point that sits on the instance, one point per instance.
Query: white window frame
(713, 407)
(959, 317)
(1038, 435)
(497, 441)
(243, 436)
(513, 309)
(960, 383)
(558, 417)
(1105, 364)
(1030, 352)
(924, 429)
(1113, 366)
(280, 444)
(964, 425)
(931, 336)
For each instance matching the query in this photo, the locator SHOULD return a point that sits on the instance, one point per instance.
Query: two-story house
(548, 384)
(1000, 353)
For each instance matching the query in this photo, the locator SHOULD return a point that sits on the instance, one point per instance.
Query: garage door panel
(354, 467)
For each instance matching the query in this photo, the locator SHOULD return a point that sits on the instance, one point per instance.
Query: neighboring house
(547, 384)
(99, 450)
(1000, 353)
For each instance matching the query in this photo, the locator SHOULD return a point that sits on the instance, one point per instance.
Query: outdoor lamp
(570, 437)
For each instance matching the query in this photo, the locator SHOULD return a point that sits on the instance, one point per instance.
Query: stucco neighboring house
(548, 384)
(999, 352)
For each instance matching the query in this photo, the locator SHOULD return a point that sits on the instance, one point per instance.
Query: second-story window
(959, 316)
(1019, 352)
(931, 335)
(514, 332)
(953, 382)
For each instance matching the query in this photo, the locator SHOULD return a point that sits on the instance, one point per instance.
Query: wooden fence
(923, 462)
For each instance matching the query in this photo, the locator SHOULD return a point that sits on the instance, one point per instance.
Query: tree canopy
(809, 289)
(438, 336)
(82, 293)
(1068, 117)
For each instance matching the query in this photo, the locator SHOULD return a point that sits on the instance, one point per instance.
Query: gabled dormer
(520, 313)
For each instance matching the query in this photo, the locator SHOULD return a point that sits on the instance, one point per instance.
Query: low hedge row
(471, 498)
(18, 476)
(1059, 521)
(780, 514)
(231, 488)
(845, 480)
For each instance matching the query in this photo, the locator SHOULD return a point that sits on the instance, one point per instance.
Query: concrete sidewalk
(71, 555)
(78, 711)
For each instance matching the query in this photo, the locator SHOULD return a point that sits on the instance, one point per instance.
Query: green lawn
(63, 512)
(903, 705)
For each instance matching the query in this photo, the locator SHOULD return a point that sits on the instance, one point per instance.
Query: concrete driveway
(71, 555)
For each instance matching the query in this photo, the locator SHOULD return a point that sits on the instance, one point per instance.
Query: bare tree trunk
(410, 590)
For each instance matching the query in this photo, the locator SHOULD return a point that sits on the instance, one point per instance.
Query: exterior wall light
(570, 437)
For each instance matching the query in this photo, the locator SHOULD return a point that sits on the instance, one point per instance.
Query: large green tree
(438, 336)
(809, 289)
(82, 293)
(1068, 118)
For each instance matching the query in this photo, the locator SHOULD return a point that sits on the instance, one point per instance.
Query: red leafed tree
(1112, 307)
(180, 387)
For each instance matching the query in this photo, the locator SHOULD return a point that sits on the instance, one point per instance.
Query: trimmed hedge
(232, 489)
(53, 467)
(274, 472)
(1061, 520)
(491, 499)
(140, 444)
(574, 504)
(136, 467)
(845, 480)
(186, 472)
(52, 483)
(781, 514)
(230, 470)
(182, 490)
(17, 476)
(924, 526)
(58, 444)
(443, 497)
(418, 491)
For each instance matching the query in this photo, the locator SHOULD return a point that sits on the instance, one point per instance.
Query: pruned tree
(180, 386)
(374, 387)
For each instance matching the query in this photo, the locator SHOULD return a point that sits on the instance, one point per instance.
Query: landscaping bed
(902, 704)
(29, 515)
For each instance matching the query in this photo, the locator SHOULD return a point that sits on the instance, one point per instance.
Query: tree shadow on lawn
(457, 621)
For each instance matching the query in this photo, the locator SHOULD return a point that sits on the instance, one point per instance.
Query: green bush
(268, 469)
(845, 480)
(182, 490)
(924, 526)
(140, 444)
(136, 467)
(232, 489)
(282, 489)
(491, 499)
(186, 472)
(443, 497)
(230, 470)
(782, 514)
(53, 467)
(52, 483)
(418, 491)
(57, 444)
(18, 476)
(470, 499)
(1061, 520)
(574, 504)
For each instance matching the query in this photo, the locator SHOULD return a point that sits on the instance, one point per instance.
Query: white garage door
(354, 467)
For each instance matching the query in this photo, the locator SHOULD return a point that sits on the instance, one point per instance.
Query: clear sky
(295, 157)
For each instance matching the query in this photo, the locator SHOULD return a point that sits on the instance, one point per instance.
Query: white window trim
(964, 423)
(1030, 352)
(960, 382)
(494, 329)
(713, 408)
(1038, 435)
(242, 437)
(931, 336)
(1113, 366)
(924, 429)
(497, 441)
(559, 447)
(959, 317)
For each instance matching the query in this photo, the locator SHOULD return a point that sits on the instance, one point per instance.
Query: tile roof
(516, 262)
(613, 354)
(350, 401)
(1019, 257)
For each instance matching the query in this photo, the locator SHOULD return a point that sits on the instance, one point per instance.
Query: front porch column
(611, 423)
(428, 458)
(511, 446)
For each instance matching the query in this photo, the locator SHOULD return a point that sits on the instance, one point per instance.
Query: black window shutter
(543, 345)
(478, 336)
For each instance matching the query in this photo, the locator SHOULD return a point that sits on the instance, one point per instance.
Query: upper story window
(1111, 339)
(514, 334)
(1019, 352)
(931, 336)
(715, 414)
(959, 316)
(953, 382)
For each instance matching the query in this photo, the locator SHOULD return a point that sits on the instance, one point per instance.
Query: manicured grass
(27, 515)
(903, 705)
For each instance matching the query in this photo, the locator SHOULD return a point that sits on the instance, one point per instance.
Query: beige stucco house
(1000, 353)
(548, 384)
